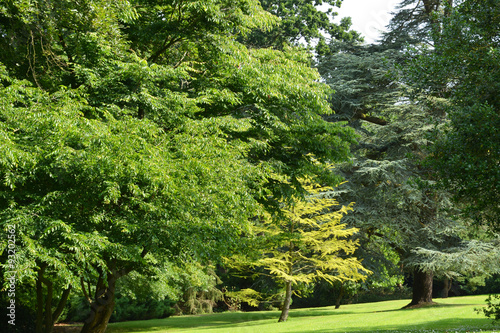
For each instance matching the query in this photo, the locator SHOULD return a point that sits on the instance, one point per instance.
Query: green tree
(398, 207)
(301, 21)
(416, 22)
(80, 192)
(465, 68)
(308, 244)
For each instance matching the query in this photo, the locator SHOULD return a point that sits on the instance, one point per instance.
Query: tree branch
(61, 304)
(166, 45)
(372, 119)
(85, 293)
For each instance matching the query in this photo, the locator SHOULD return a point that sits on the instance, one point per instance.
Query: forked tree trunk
(45, 317)
(422, 288)
(103, 303)
(286, 304)
(102, 306)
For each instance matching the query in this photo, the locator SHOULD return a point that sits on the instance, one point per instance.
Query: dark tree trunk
(422, 288)
(339, 297)
(45, 318)
(39, 301)
(286, 304)
(102, 306)
(103, 303)
(447, 287)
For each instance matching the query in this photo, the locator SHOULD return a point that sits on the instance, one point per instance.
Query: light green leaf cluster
(315, 243)
(308, 244)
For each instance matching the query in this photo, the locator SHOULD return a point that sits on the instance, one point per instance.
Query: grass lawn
(449, 315)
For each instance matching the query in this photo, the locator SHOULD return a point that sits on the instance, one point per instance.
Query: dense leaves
(301, 21)
(465, 68)
(137, 131)
(308, 244)
(402, 216)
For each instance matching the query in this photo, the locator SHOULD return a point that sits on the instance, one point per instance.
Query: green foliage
(464, 68)
(473, 258)
(405, 221)
(125, 309)
(129, 309)
(301, 20)
(310, 241)
(493, 309)
(416, 22)
(80, 191)
(132, 132)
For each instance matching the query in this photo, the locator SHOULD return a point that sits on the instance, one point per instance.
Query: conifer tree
(464, 67)
(397, 204)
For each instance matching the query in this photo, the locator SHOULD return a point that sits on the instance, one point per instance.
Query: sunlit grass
(449, 315)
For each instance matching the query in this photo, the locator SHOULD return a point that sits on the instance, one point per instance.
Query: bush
(493, 309)
(147, 308)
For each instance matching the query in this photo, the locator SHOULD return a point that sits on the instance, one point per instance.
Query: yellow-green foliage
(309, 243)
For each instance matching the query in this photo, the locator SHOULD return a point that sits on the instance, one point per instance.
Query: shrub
(493, 309)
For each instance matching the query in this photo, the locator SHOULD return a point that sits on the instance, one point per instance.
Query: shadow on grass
(319, 312)
(442, 325)
(430, 306)
(221, 320)
(251, 321)
(194, 321)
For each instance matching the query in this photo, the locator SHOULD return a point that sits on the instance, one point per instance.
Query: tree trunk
(103, 303)
(39, 301)
(102, 306)
(45, 318)
(339, 297)
(446, 287)
(286, 304)
(422, 288)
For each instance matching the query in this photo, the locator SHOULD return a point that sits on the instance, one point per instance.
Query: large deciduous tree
(93, 200)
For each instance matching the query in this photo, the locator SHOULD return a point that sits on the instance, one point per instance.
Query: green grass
(449, 315)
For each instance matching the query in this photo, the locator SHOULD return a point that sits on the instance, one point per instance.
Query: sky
(368, 16)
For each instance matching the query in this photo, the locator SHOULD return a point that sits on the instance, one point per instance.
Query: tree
(80, 192)
(397, 204)
(464, 68)
(301, 21)
(308, 244)
(416, 23)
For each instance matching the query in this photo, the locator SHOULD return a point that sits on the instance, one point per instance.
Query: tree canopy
(464, 68)
(137, 131)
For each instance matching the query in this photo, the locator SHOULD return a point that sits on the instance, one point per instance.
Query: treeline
(160, 157)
